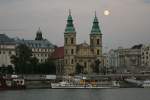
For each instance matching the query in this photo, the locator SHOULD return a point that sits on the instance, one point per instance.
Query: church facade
(82, 55)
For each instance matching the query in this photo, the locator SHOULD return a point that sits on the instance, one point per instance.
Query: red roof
(58, 53)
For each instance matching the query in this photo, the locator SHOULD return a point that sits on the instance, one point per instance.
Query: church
(82, 55)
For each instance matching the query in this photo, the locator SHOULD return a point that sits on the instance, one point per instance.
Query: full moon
(106, 12)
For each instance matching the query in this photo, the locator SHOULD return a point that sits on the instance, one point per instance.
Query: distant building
(7, 49)
(130, 57)
(105, 60)
(83, 54)
(58, 57)
(39, 36)
(126, 58)
(113, 58)
(41, 48)
(145, 53)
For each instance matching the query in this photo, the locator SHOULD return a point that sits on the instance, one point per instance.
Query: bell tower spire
(70, 26)
(95, 27)
(69, 46)
(96, 39)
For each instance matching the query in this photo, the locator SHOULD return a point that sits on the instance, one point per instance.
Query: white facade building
(113, 58)
(105, 61)
(7, 49)
(128, 58)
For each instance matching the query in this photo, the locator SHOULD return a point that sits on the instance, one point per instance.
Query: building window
(66, 51)
(98, 42)
(71, 40)
(72, 61)
(72, 51)
(85, 64)
(143, 62)
(36, 45)
(91, 41)
(9, 52)
(0, 52)
(97, 52)
(66, 40)
(39, 45)
(45, 55)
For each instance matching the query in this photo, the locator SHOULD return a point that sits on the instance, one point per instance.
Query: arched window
(91, 41)
(85, 64)
(72, 51)
(66, 40)
(72, 41)
(66, 51)
(72, 61)
(97, 52)
(98, 41)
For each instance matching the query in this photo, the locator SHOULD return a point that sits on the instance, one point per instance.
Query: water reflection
(76, 94)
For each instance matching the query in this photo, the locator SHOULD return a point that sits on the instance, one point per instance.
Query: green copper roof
(95, 27)
(69, 26)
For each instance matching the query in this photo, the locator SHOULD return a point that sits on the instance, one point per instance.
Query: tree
(22, 58)
(96, 66)
(47, 67)
(103, 70)
(9, 69)
(26, 64)
(79, 69)
(33, 65)
(3, 69)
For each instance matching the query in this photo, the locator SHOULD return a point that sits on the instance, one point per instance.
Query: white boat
(69, 85)
(146, 84)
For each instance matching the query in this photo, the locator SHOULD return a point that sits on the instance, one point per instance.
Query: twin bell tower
(83, 54)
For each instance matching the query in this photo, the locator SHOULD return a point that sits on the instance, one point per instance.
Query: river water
(77, 94)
